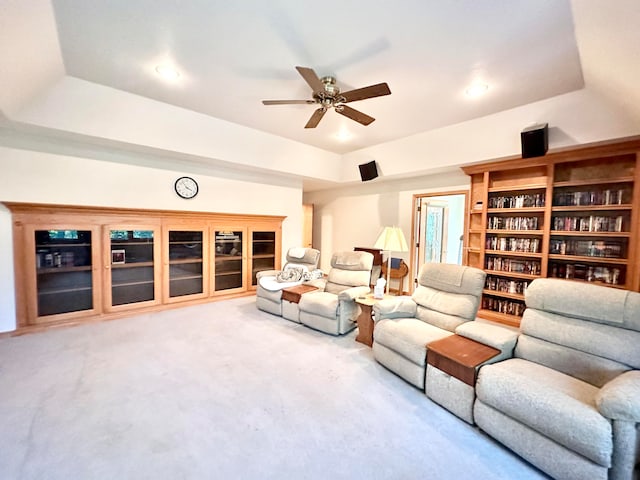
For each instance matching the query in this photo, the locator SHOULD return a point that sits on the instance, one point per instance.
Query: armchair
(447, 296)
(569, 399)
(270, 299)
(333, 309)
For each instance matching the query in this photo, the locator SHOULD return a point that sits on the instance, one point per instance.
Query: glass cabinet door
(132, 263)
(263, 254)
(64, 271)
(186, 268)
(228, 252)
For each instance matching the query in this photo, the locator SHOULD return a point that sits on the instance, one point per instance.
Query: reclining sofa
(447, 296)
(269, 297)
(569, 399)
(332, 308)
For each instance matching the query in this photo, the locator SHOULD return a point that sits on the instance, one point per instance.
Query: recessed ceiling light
(343, 135)
(167, 72)
(476, 90)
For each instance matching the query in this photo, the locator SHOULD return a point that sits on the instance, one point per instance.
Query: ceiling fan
(327, 94)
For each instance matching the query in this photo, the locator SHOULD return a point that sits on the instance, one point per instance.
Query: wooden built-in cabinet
(570, 214)
(75, 264)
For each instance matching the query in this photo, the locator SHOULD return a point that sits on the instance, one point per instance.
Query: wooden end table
(365, 319)
(459, 356)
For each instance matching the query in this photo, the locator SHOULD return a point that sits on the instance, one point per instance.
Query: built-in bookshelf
(571, 214)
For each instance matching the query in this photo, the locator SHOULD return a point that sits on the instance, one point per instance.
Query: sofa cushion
(459, 305)
(597, 339)
(320, 303)
(352, 260)
(556, 405)
(340, 280)
(610, 306)
(452, 278)
(589, 368)
(408, 337)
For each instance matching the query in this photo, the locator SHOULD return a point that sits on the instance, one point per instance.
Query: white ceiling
(232, 55)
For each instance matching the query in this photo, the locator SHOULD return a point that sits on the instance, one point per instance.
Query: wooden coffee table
(365, 319)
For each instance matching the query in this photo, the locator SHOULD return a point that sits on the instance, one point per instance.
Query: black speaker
(368, 171)
(535, 140)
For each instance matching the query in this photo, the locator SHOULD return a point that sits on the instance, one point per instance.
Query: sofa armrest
(352, 293)
(619, 399)
(266, 273)
(398, 307)
(504, 339)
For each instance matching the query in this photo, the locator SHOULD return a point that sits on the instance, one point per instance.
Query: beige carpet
(223, 391)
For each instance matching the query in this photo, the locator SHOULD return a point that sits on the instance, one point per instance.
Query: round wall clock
(186, 187)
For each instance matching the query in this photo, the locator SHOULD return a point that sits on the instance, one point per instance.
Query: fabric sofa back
(349, 269)
(587, 331)
(448, 295)
(308, 257)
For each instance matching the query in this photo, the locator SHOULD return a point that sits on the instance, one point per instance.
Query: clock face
(186, 187)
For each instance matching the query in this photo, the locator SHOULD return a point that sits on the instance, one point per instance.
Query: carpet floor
(224, 391)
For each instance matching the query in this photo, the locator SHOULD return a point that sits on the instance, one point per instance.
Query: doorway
(438, 229)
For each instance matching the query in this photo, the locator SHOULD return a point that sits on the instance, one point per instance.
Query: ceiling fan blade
(354, 114)
(315, 118)
(311, 78)
(363, 93)
(288, 102)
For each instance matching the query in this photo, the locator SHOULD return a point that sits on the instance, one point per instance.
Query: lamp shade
(392, 240)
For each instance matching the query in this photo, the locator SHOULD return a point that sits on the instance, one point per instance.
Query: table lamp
(391, 240)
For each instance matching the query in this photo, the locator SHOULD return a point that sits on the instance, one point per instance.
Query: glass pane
(132, 266)
(185, 263)
(263, 256)
(64, 275)
(228, 258)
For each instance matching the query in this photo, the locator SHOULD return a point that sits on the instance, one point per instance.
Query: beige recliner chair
(270, 299)
(569, 399)
(447, 296)
(333, 309)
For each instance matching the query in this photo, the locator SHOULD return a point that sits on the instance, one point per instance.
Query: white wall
(39, 177)
(354, 217)
(84, 108)
(7, 287)
(578, 117)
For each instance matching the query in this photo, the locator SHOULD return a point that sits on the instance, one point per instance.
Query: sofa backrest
(349, 269)
(587, 331)
(308, 257)
(448, 295)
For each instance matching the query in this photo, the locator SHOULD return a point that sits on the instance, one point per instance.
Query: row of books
(505, 285)
(513, 244)
(592, 223)
(517, 201)
(616, 196)
(502, 305)
(500, 264)
(588, 248)
(588, 273)
(513, 223)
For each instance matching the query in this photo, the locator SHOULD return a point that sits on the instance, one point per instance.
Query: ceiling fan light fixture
(326, 94)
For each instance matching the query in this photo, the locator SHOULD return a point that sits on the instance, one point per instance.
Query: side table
(365, 319)
(291, 297)
(452, 366)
